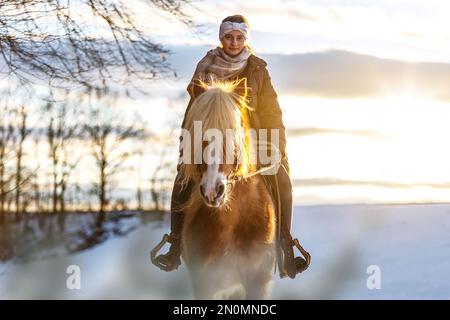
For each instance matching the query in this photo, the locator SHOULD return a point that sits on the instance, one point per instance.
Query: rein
(261, 170)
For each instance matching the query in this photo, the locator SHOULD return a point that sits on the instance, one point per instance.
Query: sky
(363, 86)
(406, 30)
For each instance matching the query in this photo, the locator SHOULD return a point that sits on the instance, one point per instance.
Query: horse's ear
(241, 88)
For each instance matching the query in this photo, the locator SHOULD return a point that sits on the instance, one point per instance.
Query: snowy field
(409, 243)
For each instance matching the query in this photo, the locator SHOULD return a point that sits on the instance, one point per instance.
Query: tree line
(95, 47)
(59, 156)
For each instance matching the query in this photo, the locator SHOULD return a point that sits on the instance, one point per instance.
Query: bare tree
(6, 154)
(161, 170)
(139, 190)
(62, 129)
(60, 132)
(14, 174)
(35, 182)
(108, 134)
(54, 41)
(23, 132)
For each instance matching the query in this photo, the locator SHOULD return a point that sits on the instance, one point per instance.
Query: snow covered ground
(409, 243)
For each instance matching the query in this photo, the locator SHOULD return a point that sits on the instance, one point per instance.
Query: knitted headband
(228, 26)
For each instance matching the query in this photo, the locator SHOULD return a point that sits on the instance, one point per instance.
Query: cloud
(300, 132)
(321, 182)
(343, 74)
(288, 11)
(337, 74)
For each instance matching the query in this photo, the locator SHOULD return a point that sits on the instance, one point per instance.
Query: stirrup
(156, 249)
(302, 263)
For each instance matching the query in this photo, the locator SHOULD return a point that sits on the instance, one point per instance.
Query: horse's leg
(256, 281)
(202, 291)
(203, 285)
(256, 286)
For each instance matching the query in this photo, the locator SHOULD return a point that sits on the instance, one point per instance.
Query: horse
(229, 231)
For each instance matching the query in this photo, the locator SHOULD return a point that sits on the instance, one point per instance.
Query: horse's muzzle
(213, 197)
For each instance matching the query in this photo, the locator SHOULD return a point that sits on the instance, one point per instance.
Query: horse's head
(215, 143)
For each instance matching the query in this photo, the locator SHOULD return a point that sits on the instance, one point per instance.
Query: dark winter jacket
(262, 98)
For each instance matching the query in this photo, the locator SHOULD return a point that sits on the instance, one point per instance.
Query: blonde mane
(221, 108)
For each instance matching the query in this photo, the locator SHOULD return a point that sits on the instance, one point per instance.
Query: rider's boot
(290, 265)
(171, 260)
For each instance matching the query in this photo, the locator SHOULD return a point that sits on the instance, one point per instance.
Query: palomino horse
(228, 237)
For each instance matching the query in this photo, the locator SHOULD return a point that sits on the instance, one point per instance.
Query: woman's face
(233, 43)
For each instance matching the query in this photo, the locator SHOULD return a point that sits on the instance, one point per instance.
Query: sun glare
(406, 144)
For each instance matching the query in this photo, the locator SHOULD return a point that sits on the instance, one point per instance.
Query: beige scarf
(217, 65)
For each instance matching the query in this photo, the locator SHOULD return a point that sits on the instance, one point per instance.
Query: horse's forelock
(221, 108)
